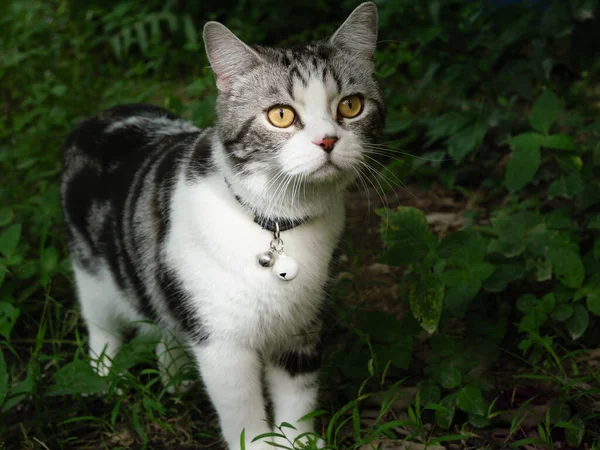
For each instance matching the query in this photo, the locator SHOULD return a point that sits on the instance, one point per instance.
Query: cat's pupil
(350, 104)
(281, 113)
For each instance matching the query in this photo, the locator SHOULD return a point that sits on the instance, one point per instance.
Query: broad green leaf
(469, 400)
(9, 239)
(446, 124)
(8, 317)
(406, 235)
(562, 312)
(426, 301)
(49, 260)
(593, 302)
(524, 161)
(546, 303)
(533, 320)
(76, 378)
(430, 393)
(545, 111)
(567, 186)
(567, 265)
(503, 276)
(578, 322)
(458, 298)
(479, 421)
(560, 142)
(448, 376)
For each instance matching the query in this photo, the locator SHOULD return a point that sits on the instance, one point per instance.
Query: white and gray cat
(223, 237)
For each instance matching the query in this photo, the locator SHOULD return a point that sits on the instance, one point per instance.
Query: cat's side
(166, 222)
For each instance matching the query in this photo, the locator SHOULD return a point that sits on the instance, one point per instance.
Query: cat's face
(303, 113)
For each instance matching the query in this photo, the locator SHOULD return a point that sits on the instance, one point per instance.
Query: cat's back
(115, 164)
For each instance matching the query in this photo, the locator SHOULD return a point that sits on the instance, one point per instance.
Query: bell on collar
(268, 258)
(285, 268)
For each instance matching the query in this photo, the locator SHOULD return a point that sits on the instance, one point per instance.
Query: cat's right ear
(227, 54)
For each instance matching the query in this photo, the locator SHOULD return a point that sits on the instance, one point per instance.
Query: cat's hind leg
(101, 303)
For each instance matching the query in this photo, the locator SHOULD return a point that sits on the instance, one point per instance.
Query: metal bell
(267, 259)
(285, 268)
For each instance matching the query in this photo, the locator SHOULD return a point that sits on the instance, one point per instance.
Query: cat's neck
(276, 196)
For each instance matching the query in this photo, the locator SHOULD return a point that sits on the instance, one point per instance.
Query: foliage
(496, 105)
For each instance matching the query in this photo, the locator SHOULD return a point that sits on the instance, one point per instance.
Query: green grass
(466, 328)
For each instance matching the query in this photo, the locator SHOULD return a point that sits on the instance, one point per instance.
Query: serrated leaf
(560, 142)
(469, 400)
(8, 317)
(524, 161)
(9, 239)
(578, 322)
(426, 300)
(406, 235)
(76, 378)
(545, 111)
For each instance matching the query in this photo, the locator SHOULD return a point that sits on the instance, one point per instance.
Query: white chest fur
(214, 244)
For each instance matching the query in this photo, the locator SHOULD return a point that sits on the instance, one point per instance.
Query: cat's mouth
(325, 171)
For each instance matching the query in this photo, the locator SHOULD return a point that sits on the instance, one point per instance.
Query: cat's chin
(327, 172)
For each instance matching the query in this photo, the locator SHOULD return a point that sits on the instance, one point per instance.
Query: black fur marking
(295, 73)
(299, 363)
(177, 301)
(199, 164)
(241, 134)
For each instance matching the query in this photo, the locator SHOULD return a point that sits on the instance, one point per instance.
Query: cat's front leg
(232, 375)
(292, 378)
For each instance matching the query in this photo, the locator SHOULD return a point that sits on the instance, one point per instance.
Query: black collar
(271, 223)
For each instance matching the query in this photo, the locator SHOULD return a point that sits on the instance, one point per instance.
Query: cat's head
(301, 114)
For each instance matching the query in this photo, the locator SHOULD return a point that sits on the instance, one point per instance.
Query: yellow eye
(281, 116)
(350, 106)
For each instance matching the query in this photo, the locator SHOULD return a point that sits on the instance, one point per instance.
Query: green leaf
(593, 302)
(524, 161)
(406, 235)
(469, 400)
(8, 317)
(448, 376)
(447, 124)
(567, 186)
(578, 322)
(190, 32)
(49, 260)
(463, 248)
(567, 265)
(560, 142)
(430, 393)
(9, 239)
(426, 300)
(546, 303)
(594, 223)
(562, 312)
(76, 378)
(381, 326)
(526, 303)
(545, 111)
(533, 320)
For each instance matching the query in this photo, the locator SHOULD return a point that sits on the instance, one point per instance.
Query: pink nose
(326, 143)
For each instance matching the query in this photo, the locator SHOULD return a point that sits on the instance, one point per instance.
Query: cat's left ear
(228, 55)
(358, 34)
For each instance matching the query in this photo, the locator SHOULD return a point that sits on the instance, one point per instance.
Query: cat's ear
(358, 34)
(227, 54)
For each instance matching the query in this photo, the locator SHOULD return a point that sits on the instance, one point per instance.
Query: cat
(223, 237)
